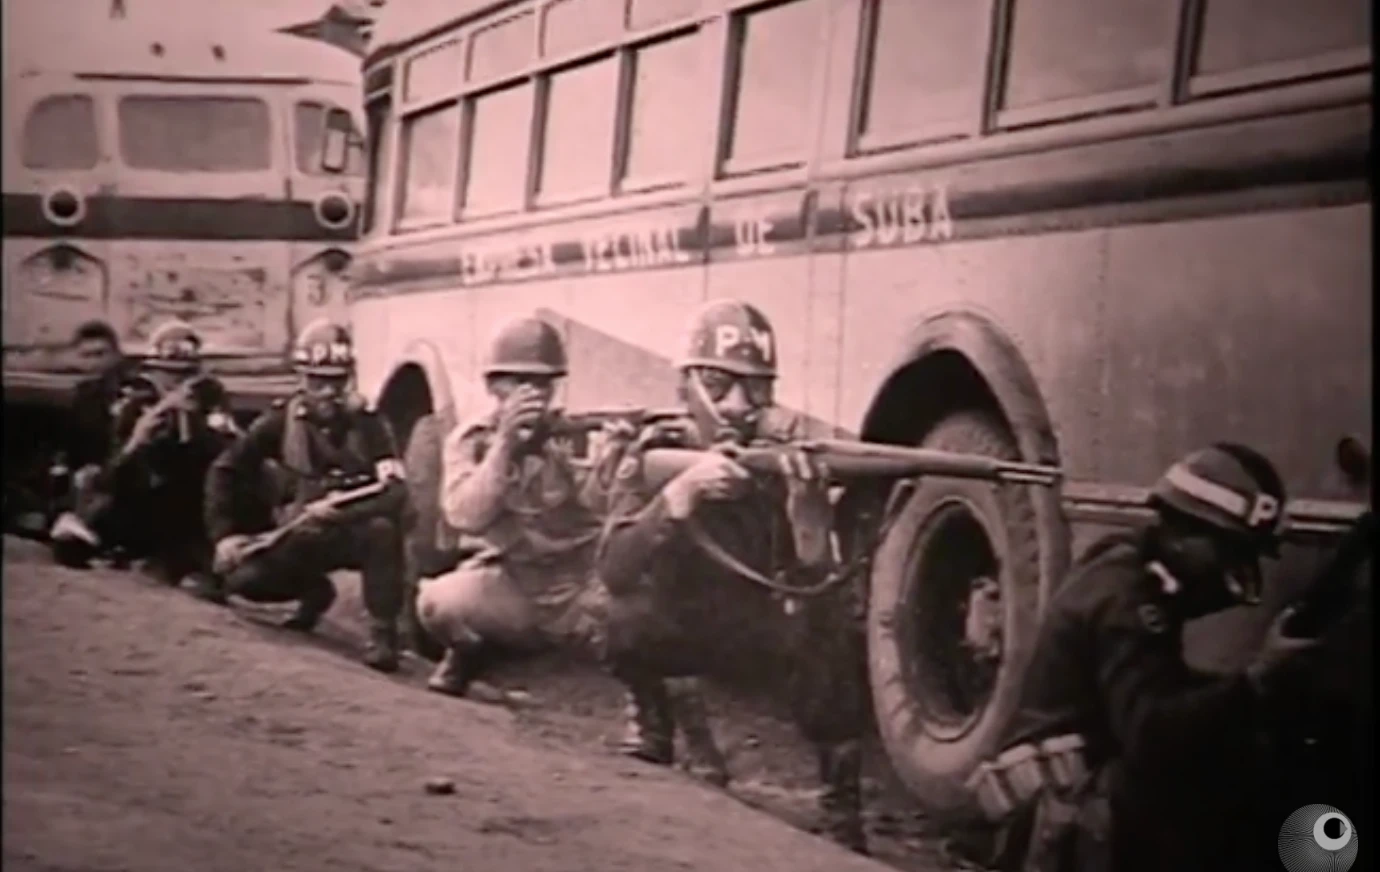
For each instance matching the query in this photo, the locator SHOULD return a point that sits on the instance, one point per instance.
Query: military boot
(649, 734)
(204, 587)
(703, 759)
(840, 768)
(315, 601)
(382, 651)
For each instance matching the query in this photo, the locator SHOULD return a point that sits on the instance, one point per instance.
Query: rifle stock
(336, 499)
(846, 460)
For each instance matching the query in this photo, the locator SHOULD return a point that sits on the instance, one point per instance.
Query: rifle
(845, 460)
(335, 499)
(1330, 596)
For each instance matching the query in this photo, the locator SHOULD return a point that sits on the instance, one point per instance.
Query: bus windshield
(208, 134)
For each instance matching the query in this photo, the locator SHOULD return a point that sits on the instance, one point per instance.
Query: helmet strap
(720, 429)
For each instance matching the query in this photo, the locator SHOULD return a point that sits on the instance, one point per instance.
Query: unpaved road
(145, 731)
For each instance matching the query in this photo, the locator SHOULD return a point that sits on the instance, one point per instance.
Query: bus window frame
(726, 166)
(860, 142)
(1123, 100)
(624, 183)
(542, 110)
(99, 126)
(278, 118)
(402, 164)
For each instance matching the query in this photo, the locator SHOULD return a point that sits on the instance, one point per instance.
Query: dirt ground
(147, 731)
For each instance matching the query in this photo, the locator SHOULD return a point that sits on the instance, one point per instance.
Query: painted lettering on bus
(750, 235)
(910, 215)
(633, 249)
(481, 265)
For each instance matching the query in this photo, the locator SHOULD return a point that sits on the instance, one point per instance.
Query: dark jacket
(91, 436)
(239, 497)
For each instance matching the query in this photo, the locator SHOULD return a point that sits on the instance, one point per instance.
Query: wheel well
(920, 394)
(404, 400)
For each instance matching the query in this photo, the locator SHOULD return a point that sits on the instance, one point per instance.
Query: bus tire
(941, 708)
(425, 554)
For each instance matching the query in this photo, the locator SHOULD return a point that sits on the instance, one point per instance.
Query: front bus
(210, 178)
(968, 236)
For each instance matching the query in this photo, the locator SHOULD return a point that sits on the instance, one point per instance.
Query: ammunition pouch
(1049, 790)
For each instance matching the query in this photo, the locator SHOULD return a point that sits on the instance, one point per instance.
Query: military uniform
(357, 449)
(676, 611)
(146, 497)
(535, 530)
(319, 443)
(1164, 743)
(1120, 755)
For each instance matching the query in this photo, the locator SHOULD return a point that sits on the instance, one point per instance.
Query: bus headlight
(59, 288)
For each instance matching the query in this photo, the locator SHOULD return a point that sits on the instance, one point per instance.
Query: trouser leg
(473, 611)
(649, 723)
(381, 565)
(294, 570)
(703, 759)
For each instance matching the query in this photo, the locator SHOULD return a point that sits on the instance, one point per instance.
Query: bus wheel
(425, 554)
(951, 617)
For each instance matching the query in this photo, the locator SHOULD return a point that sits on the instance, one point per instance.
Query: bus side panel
(1043, 292)
(233, 293)
(385, 327)
(51, 286)
(624, 333)
(1225, 319)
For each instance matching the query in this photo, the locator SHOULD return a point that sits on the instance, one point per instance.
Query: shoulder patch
(1153, 618)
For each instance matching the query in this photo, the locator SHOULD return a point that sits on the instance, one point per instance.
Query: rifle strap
(716, 552)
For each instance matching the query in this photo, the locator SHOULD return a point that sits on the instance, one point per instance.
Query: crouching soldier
(719, 572)
(343, 507)
(1121, 756)
(169, 425)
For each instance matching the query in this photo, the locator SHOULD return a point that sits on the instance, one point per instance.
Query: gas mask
(727, 407)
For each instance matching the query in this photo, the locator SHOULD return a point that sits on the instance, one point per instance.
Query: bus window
(1069, 49)
(60, 134)
(665, 87)
(569, 25)
(773, 93)
(379, 112)
(431, 157)
(195, 134)
(1240, 34)
(925, 68)
(309, 123)
(500, 134)
(577, 146)
(434, 72)
(502, 48)
(650, 13)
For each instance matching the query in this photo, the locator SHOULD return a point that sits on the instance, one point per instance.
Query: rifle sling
(715, 552)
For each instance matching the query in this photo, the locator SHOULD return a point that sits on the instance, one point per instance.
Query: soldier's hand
(714, 477)
(522, 409)
(1281, 657)
(321, 511)
(83, 478)
(229, 553)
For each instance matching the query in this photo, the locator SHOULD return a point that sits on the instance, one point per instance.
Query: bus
(156, 170)
(1089, 233)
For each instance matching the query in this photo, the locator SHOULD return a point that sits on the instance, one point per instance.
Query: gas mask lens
(717, 383)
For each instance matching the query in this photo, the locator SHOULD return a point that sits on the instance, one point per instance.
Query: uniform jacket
(1108, 664)
(532, 512)
(238, 481)
(696, 610)
(92, 433)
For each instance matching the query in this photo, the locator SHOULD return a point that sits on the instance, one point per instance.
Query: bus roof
(403, 21)
(57, 44)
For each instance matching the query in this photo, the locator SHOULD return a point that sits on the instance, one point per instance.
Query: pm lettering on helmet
(728, 337)
(1264, 511)
(329, 352)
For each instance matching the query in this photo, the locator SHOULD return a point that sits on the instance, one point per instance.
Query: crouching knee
(379, 532)
(474, 604)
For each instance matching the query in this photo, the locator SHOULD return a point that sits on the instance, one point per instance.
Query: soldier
(168, 426)
(328, 445)
(696, 569)
(1148, 762)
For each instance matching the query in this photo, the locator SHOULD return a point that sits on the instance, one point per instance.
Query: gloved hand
(229, 553)
(1281, 656)
(714, 477)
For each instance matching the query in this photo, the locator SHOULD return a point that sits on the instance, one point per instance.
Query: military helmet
(526, 346)
(324, 348)
(1229, 487)
(733, 336)
(175, 346)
